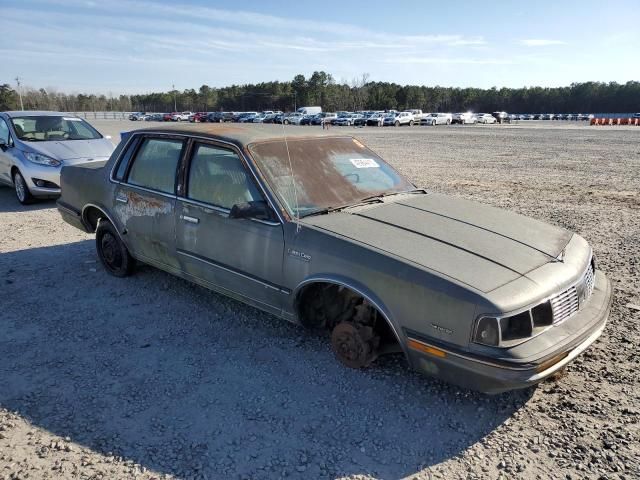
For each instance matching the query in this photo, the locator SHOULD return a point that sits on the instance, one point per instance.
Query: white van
(309, 110)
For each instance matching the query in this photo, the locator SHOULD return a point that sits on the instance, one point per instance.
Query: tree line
(359, 94)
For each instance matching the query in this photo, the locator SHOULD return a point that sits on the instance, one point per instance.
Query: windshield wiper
(326, 210)
(389, 194)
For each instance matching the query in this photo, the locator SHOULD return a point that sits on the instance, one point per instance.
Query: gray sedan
(321, 231)
(35, 145)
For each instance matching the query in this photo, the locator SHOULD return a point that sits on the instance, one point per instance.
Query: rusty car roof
(242, 135)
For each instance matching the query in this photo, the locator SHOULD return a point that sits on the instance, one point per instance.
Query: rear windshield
(327, 172)
(49, 128)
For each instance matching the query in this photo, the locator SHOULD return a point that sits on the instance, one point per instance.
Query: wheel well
(322, 305)
(91, 216)
(14, 169)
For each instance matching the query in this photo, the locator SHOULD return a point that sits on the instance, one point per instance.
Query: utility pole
(175, 108)
(295, 101)
(19, 93)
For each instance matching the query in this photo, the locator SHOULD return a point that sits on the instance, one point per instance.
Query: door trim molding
(226, 268)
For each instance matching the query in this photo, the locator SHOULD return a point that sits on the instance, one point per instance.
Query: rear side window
(155, 164)
(218, 177)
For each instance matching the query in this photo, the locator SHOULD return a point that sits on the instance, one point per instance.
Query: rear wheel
(113, 253)
(448, 122)
(22, 190)
(411, 123)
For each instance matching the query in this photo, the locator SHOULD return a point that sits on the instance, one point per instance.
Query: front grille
(569, 302)
(564, 305)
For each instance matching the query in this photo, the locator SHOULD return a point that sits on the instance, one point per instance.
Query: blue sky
(123, 46)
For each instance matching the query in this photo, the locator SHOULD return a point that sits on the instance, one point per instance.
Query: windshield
(49, 128)
(329, 172)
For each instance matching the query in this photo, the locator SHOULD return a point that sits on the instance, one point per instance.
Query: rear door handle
(189, 219)
(122, 199)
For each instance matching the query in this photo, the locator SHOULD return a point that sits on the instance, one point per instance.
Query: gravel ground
(152, 377)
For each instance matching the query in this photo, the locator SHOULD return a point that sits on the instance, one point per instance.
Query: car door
(5, 153)
(240, 256)
(144, 198)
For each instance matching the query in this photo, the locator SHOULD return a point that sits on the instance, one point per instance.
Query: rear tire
(22, 189)
(411, 123)
(113, 253)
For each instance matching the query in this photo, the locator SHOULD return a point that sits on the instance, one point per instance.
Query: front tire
(113, 253)
(397, 124)
(22, 189)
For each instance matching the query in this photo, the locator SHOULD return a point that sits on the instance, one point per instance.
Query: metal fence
(101, 115)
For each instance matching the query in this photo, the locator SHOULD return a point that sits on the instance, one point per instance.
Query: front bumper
(489, 375)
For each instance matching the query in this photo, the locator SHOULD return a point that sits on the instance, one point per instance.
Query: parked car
(472, 294)
(306, 119)
(502, 117)
(398, 119)
(361, 121)
(293, 119)
(319, 118)
(137, 116)
(348, 120)
(181, 116)
(309, 110)
(198, 117)
(485, 118)
(35, 145)
(464, 118)
(635, 115)
(166, 117)
(247, 117)
(154, 117)
(375, 120)
(437, 119)
(417, 114)
(220, 117)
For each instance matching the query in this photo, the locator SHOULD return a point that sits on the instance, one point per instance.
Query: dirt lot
(152, 377)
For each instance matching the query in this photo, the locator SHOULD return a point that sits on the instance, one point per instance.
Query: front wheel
(22, 190)
(448, 122)
(397, 124)
(113, 253)
(286, 122)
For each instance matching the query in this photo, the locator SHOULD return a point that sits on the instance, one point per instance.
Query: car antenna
(293, 180)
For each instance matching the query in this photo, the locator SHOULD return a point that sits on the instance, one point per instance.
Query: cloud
(448, 61)
(540, 42)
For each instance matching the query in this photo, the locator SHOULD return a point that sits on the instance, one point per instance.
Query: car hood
(74, 149)
(478, 245)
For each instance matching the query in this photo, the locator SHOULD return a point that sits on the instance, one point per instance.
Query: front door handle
(189, 219)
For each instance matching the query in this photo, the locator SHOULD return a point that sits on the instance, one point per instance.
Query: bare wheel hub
(353, 344)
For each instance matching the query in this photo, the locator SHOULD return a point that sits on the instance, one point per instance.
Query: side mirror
(3, 144)
(257, 209)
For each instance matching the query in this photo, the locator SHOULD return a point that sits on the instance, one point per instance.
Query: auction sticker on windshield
(72, 119)
(364, 163)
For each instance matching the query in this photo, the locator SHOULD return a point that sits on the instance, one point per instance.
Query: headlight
(42, 159)
(487, 331)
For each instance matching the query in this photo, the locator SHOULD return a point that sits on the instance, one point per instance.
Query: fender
(360, 289)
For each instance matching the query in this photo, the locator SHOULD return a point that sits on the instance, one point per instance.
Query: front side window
(218, 177)
(49, 128)
(155, 164)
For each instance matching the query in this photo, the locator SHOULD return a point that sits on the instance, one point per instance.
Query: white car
(397, 119)
(486, 118)
(437, 119)
(181, 117)
(418, 114)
